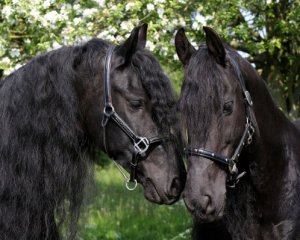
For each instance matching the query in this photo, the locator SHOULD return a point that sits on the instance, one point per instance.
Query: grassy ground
(116, 213)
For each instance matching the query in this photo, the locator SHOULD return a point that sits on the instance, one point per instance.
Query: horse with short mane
(52, 122)
(243, 176)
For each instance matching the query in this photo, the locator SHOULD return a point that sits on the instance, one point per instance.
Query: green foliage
(265, 30)
(116, 213)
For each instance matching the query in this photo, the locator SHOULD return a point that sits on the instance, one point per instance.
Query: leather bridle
(246, 139)
(142, 145)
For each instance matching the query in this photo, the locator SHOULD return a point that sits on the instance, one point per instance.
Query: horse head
(138, 127)
(215, 111)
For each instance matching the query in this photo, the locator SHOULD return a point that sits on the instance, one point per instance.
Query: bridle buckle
(141, 146)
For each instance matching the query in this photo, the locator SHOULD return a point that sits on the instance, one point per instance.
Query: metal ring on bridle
(128, 182)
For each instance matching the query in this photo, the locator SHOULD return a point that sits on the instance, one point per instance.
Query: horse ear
(142, 38)
(137, 39)
(183, 47)
(215, 46)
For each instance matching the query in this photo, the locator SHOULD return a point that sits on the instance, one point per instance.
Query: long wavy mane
(45, 154)
(160, 92)
(42, 148)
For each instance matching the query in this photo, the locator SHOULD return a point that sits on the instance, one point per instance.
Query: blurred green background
(113, 212)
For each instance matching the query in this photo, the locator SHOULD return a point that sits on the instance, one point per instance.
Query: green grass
(116, 213)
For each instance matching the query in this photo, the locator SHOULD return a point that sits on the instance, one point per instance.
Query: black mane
(159, 91)
(43, 159)
(201, 66)
(45, 154)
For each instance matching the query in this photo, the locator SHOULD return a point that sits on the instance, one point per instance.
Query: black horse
(234, 127)
(51, 125)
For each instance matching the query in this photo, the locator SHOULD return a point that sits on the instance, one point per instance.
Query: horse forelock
(201, 94)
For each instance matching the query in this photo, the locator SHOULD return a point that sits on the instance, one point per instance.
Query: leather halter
(141, 144)
(246, 139)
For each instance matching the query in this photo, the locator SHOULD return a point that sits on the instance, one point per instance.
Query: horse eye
(136, 104)
(228, 108)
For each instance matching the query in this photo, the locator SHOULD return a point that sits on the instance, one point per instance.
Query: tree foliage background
(265, 31)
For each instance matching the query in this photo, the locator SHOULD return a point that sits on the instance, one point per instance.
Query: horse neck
(273, 156)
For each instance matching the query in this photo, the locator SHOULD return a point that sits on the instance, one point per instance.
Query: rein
(142, 145)
(246, 139)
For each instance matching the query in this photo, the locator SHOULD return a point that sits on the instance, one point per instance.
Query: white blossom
(103, 34)
(46, 4)
(160, 12)
(35, 13)
(5, 61)
(101, 3)
(129, 6)
(89, 26)
(17, 66)
(68, 30)
(76, 7)
(51, 16)
(119, 38)
(6, 11)
(110, 38)
(113, 30)
(156, 36)
(200, 19)
(194, 44)
(150, 7)
(163, 51)
(15, 2)
(14, 53)
(127, 26)
(150, 45)
(76, 21)
(89, 12)
(55, 45)
(175, 57)
(196, 26)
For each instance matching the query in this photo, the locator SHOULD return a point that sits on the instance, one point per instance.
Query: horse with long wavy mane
(52, 122)
(243, 177)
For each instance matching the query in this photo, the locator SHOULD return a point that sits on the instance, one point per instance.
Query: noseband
(141, 145)
(247, 137)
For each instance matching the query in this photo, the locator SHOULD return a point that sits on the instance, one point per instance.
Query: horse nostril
(207, 205)
(175, 188)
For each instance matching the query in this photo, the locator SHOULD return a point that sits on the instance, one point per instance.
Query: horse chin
(200, 216)
(152, 194)
(206, 218)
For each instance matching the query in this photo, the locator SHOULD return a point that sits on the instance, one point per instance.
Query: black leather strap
(201, 152)
(141, 144)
